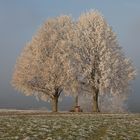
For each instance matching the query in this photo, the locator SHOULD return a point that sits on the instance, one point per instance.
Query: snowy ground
(40, 125)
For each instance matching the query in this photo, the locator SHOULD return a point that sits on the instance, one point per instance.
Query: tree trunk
(95, 101)
(76, 100)
(55, 104)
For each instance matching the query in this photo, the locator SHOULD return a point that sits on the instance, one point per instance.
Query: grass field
(68, 126)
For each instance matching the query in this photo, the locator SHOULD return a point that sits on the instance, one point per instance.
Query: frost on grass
(70, 127)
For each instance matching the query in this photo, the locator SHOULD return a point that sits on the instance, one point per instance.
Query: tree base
(76, 109)
(96, 111)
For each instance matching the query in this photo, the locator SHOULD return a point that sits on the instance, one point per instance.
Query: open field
(40, 125)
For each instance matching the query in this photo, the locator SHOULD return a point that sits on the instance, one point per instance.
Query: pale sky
(20, 19)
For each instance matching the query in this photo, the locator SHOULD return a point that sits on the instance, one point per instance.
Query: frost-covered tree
(43, 68)
(103, 67)
(73, 57)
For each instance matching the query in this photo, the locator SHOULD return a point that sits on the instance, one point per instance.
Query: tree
(73, 57)
(103, 67)
(43, 68)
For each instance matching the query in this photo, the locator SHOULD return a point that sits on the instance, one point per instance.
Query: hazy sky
(19, 20)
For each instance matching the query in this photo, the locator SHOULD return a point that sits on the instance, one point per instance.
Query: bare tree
(43, 68)
(103, 67)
